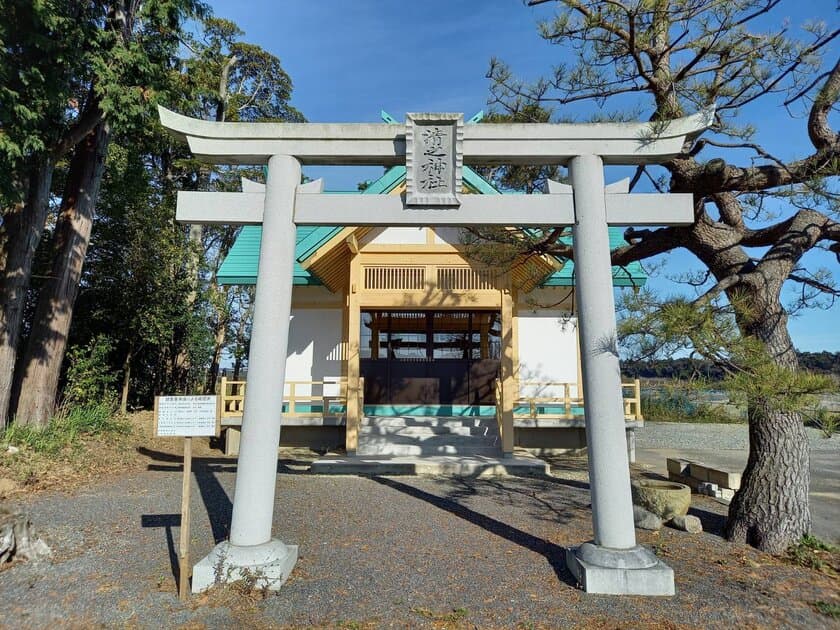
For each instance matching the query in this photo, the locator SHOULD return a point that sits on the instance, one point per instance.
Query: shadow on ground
(554, 554)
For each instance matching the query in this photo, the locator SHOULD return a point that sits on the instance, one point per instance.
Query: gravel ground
(714, 436)
(724, 446)
(382, 552)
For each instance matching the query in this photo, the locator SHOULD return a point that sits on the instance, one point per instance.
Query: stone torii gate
(434, 146)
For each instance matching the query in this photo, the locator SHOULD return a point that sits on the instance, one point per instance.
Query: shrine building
(432, 339)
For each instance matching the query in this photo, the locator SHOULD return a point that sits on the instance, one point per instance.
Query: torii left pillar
(251, 551)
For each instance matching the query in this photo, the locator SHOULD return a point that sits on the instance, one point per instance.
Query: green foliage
(67, 428)
(148, 303)
(828, 422)
(717, 54)
(139, 277)
(813, 553)
(39, 62)
(680, 402)
(829, 609)
(64, 62)
(257, 86)
(820, 362)
(89, 376)
(149, 284)
(457, 615)
(708, 329)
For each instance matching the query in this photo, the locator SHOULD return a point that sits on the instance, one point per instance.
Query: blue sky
(349, 59)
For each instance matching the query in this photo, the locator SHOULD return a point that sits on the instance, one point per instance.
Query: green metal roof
(632, 275)
(240, 265)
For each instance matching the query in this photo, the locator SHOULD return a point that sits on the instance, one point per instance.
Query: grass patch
(77, 440)
(66, 429)
(672, 404)
(448, 619)
(828, 609)
(813, 553)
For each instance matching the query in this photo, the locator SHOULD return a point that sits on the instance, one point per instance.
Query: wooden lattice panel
(465, 279)
(394, 278)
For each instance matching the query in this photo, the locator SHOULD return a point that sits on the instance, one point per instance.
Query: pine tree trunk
(771, 509)
(21, 233)
(47, 343)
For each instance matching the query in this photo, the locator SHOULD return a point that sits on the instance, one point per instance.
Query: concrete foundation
(267, 566)
(634, 571)
(455, 466)
(323, 438)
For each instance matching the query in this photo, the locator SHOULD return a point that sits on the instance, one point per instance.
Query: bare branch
(812, 282)
(724, 285)
(647, 243)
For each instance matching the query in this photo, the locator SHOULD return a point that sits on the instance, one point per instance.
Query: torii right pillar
(613, 563)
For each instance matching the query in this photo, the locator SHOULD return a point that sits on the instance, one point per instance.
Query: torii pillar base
(635, 571)
(265, 566)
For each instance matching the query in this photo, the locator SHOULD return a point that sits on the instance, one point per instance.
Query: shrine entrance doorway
(430, 360)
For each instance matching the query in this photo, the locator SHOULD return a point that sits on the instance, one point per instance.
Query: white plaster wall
(314, 352)
(316, 295)
(547, 351)
(396, 235)
(449, 235)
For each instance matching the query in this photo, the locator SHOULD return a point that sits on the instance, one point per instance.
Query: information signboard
(186, 416)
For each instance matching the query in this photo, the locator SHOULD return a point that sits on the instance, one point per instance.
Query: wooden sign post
(187, 417)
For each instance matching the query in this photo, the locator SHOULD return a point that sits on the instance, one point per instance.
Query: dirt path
(381, 552)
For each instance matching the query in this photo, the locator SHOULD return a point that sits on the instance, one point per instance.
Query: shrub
(90, 380)
(676, 403)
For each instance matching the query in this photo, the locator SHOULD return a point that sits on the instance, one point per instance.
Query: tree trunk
(47, 343)
(126, 381)
(219, 337)
(771, 511)
(21, 232)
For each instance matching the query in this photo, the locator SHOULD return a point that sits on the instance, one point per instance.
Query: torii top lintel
(384, 144)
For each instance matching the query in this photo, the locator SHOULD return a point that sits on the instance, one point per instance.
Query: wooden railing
(232, 394)
(499, 419)
(570, 405)
(632, 403)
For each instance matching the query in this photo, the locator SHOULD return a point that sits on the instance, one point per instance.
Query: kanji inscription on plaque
(433, 158)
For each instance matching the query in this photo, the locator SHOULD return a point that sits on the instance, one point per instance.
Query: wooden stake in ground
(184, 566)
(188, 417)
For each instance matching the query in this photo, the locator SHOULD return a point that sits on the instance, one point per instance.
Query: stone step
(435, 465)
(426, 450)
(432, 439)
(423, 430)
(422, 436)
